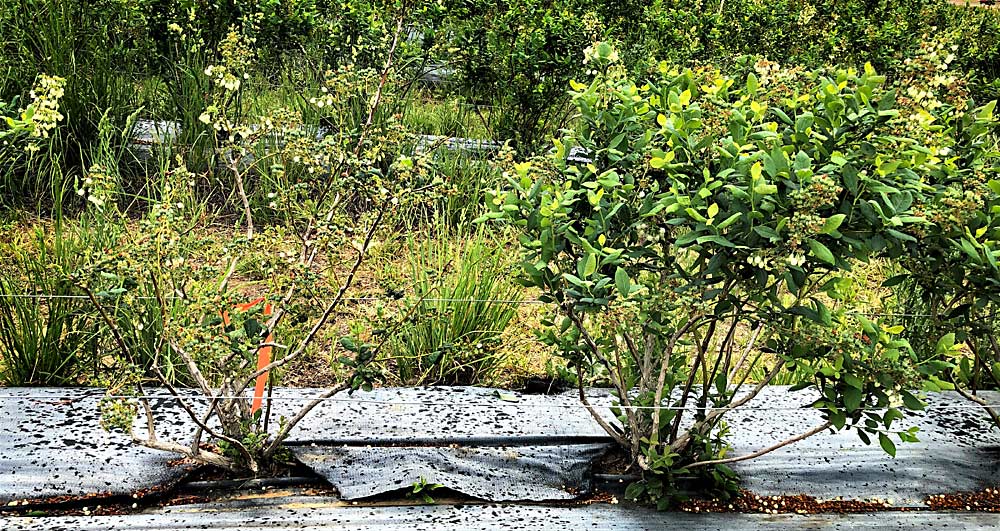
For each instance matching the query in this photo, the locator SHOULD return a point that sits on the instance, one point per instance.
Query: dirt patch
(987, 500)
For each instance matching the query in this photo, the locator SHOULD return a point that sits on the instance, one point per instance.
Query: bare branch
(203, 426)
(291, 423)
(615, 380)
(715, 414)
(662, 378)
(615, 434)
(767, 450)
(192, 366)
(210, 458)
(746, 353)
(233, 164)
(986, 405)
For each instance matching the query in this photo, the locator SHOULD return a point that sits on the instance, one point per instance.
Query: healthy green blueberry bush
(711, 237)
(516, 57)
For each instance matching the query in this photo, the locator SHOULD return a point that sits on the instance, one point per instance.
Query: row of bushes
(515, 57)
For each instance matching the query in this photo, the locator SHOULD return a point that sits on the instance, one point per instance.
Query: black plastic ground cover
(444, 415)
(513, 473)
(959, 450)
(259, 514)
(52, 444)
(467, 439)
(55, 447)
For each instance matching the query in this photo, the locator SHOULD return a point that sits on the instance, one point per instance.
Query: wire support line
(346, 299)
(478, 404)
(427, 299)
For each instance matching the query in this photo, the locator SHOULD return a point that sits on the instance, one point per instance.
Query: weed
(464, 299)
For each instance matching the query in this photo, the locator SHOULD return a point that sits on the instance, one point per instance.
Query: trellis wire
(347, 299)
(425, 299)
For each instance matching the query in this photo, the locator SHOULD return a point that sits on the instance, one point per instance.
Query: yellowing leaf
(661, 119)
(685, 97)
(560, 149)
(756, 170)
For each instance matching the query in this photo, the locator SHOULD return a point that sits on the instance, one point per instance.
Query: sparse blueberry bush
(337, 191)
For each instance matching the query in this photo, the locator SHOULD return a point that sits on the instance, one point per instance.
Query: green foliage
(518, 57)
(43, 341)
(96, 47)
(715, 204)
(453, 333)
(422, 489)
(27, 135)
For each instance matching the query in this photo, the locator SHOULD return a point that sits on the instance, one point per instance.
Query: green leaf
(767, 232)
(729, 221)
(695, 215)
(832, 223)
(911, 401)
(838, 420)
(765, 189)
(894, 281)
(945, 344)
(821, 251)
(852, 399)
(588, 265)
(635, 490)
(887, 444)
(622, 282)
(718, 240)
(986, 111)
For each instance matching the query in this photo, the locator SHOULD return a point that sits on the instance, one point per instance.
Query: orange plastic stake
(263, 354)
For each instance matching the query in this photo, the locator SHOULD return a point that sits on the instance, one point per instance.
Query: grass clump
(463, 301)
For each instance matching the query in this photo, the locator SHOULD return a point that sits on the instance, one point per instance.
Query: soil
(977, 3)
(987, 500)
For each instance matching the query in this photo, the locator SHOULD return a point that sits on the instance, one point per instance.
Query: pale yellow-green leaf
(685, 97)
